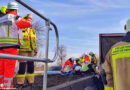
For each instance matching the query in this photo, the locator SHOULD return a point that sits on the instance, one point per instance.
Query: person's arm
(108, 69)
(24, 23)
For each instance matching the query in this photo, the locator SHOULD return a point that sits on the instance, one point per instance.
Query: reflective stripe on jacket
(25, 75)
(108, 88)
(117, 66)
(85, 66)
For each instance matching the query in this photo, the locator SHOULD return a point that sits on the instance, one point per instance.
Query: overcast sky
(80, 21)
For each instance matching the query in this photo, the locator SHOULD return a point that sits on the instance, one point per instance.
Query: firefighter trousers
(26, 69)
(7, 68)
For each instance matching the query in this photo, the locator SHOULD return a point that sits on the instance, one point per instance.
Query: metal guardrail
(7, 56)
(45, 60)
(47, 21)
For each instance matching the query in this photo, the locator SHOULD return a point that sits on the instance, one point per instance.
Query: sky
(80, 22)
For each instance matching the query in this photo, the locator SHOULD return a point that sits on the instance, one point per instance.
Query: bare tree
(39, 28)
(62, 54)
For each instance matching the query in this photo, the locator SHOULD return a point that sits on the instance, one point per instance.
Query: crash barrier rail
(45, 60)
(79, 84)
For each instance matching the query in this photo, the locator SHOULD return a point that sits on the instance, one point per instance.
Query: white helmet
(91, 53)
(127, 27)
(13, 5)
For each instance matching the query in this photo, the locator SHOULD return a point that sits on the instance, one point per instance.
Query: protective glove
(28, 16)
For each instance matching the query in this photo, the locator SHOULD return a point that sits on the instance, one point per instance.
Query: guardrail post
(46, 55)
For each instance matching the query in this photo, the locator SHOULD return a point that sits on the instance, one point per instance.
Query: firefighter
(29, 48)
(10, 40)
(67, 69)
(93, 60)
(117, 64)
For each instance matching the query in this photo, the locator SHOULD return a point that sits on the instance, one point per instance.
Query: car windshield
(55, 68)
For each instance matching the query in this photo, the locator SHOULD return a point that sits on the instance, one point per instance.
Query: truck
(106, 41)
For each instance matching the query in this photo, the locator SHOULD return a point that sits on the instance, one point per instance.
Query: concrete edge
(68, 83)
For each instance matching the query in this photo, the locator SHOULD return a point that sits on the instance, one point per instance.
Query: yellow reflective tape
(108, 88)
(119, 52)
(10, 40)
(30, 75)
(9, 37)
(9, 31)
(25, 49)
(20, 75)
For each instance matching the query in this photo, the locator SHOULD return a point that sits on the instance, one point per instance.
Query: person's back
(11, 25)
(9, 29)
(117, 63)
(29, 40)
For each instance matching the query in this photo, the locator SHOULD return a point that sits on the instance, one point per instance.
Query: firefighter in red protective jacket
(10, 39)
(67, 69)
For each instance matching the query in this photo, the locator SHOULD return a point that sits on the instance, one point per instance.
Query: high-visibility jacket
(81, 60)
(29, 40)
(85, 66)
(117, 66)
(10, 30)
(68, 64)
(94, 60)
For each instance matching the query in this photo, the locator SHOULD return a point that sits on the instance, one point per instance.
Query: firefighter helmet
(13, 5)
